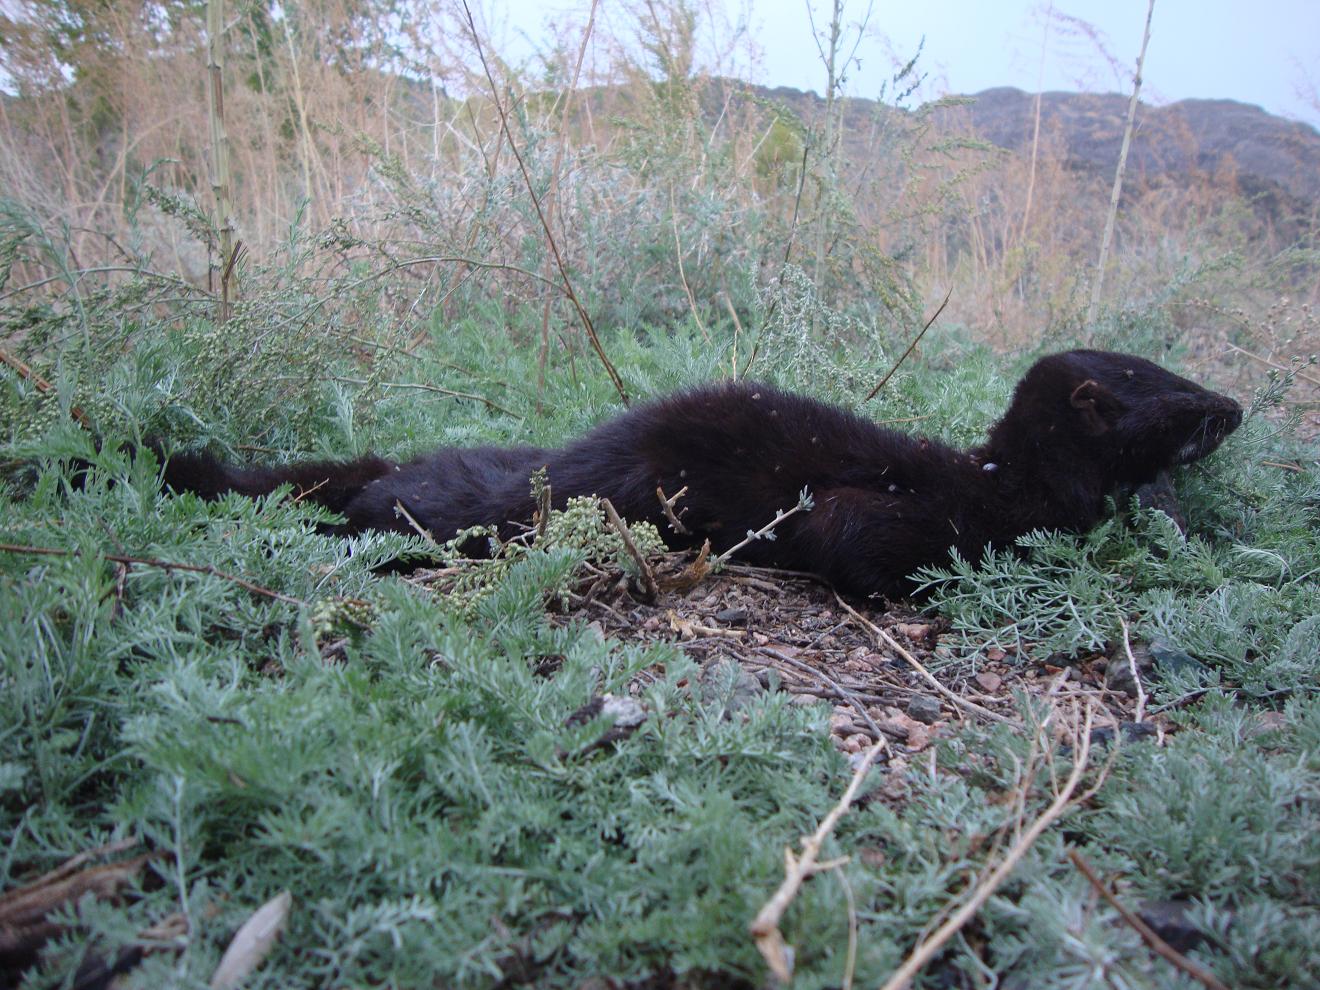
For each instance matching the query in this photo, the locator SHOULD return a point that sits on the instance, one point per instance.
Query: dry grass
(387, 143)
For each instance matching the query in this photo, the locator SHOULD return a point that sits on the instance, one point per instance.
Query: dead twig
(912, 346)
(543, 501)
(737, 332)
(765, 926)
(587, 325)
(1063, 800)
(42, 385)
(682, 275)
(401, 510)
(667, 506)
(1148, 935)
(165, 565)
(805, 504)
(1275, 365)
(490, 404)
(1140, 712)
(843, 692)
(647, 574)
(916, 665)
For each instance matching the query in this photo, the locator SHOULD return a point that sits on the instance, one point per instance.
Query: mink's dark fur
(1081, 424)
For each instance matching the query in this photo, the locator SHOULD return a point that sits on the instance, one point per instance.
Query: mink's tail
(332, 484)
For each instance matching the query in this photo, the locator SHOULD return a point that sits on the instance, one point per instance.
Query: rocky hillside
(1273, 160)
(1267, 152)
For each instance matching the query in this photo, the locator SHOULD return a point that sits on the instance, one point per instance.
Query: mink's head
(1122, 412)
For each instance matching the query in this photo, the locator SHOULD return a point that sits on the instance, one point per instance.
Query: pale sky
(1265, 52)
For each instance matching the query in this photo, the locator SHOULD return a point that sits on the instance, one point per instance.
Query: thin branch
(1148, 935)
(804, 505)
(426, 387)
(737, 331)
(842, 692)
(165, 565)
(587, 325)
(765, 926)
(912, 346)
(1063, 800)
(916, 665)
(1140, 713)
(1117, 192)
(682, 275)
(101, 270)
(643, 566)
(401, 510)
(667, 507)
(554, 198)
(1278, 367)
(42, 385)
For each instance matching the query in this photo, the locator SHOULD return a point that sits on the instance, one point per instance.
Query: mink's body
(1081, 424)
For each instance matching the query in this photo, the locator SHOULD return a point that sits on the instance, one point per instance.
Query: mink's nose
(1232, 415)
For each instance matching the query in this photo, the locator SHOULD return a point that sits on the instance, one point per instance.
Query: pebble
(924, 708)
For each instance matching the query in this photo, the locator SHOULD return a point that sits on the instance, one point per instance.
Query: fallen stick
(1148, 934)
(932, 944)
(765, 926)
(916, 665)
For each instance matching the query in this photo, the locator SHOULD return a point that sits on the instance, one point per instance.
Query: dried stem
(1140, 713)
(1118, 173)
(667, 507)
(42, 385)
(643, 566)
(912, 346)
(804, 505)
(221, 184)
(682, 275)
(765, 926)
(839, 689)
(587, 325)
(1063, 800)
(1148, 935)
(916, 665)
(165, 565)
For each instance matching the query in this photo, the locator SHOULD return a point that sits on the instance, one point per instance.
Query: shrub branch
(587, 325)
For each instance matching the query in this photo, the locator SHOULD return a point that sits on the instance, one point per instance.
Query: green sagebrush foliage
(420, 794)
(577, 533)
(407, 795)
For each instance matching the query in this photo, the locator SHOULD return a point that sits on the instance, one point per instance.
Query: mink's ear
(1097, 408)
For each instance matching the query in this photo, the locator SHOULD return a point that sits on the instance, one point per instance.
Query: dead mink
(1080, 425)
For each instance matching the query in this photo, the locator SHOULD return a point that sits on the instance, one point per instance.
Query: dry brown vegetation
(667, 187)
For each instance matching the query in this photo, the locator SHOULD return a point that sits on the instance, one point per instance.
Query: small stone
(1132, 732)
(1170, 922)
(915, 631)
(1269, 722)
(924, 708)
(872, 856)
(725, 682)
(626, 713)
(988, 682)
(1118, 669)
(853, 744)
(994, 654)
